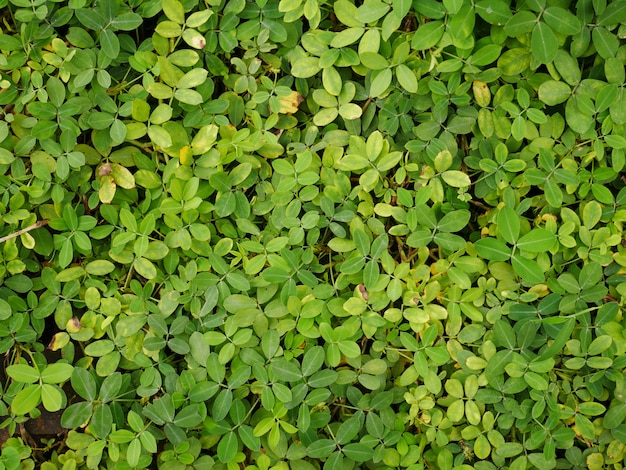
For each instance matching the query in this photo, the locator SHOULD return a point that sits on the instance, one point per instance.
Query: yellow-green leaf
(456, 179)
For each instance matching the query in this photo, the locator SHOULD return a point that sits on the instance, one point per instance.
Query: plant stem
(39, 223)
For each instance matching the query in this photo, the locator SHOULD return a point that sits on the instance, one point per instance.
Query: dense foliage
(311, 234)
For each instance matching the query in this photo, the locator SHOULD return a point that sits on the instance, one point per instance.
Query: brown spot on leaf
(289, 104)
(482, 94)
(104, 170)
(363, 291)
(59, 340)
(73, 325)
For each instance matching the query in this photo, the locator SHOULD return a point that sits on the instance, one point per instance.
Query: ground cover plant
(309, 234)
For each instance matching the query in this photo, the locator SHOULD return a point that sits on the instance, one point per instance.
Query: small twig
(37, 224)
(367, 103)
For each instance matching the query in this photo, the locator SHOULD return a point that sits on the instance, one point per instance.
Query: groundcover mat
(312, 235)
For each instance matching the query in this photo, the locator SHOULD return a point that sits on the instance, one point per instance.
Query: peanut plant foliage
(313, 234)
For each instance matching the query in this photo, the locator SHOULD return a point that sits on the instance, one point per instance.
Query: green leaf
(76, 415)
(83, 383)
(51, 397)
(615, 141)
(605, 42)
(160, 91)
(591, 408)
(505, 336)
(552, 92)
(514, 61)
(527, 269)
(492, 249)
(456, 411)
(168, 29)
(406, 78)
(133, 453)
(159, 136)
(313, 360)
(584, 426)
(276, 275)
(401, 7)
(536, 381)
(341, 245)
(579, 121)
(332, 81)
(614, 13)
(248, 438)
(227, 448)
(350, 111)
(145, 268)
(521, 23)
(419, 238)
(371, 274)
(618, 108)
(221, 405)
(321, 448)
(110, 387)
(189, 417)
(306, 67)
(193, 78)
(508, 224)
(118, 132)
(110, 44)
(358, 452)
(10, 43)
(615, 416)
(606, 97)
(494, 11)
(122, 176)
(537, 240)
(599, 345)
(174, 10)
(456, 179)
(128, 21)
(544, 44)
(449, 241)
(347, 37)
(100, 121)
(168, 72)
(454, 221)
(486, 55)
(567, 67)
(563, 336)
(23, 373)
(428, 35)
(562, 21)
(371, 11)
(27, 400)
(554, 195)
(349, 349)
(381, 80)
(286, 371)
(56, 91)
(99, 267)
(325, 116)
(361, 242)
(198, 18)
(482, 448)
(590, 275)
(462, 23)
(592, 212)
(90, 18)
(191, 97)
(57, 373)
(348, 430)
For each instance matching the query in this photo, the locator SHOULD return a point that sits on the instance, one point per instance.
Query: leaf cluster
(313, 234)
